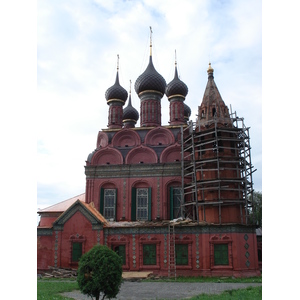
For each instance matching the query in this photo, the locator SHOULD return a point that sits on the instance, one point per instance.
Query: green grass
(50, 289)
(250, 293)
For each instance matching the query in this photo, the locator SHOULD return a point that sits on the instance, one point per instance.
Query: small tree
(255, 213)
(100, 271)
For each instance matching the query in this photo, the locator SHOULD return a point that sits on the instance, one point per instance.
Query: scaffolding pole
(203, 145)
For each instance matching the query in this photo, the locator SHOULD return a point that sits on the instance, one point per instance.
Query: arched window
(175, 201)
(108, 203)
(141, 204)
(213, 112)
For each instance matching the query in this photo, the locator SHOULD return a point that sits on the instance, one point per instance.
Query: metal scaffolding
(222, 148)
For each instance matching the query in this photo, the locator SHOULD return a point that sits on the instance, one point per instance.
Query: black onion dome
(176, 86)
(116, 91)
(150, 80)
(129, 112)
(187, 111)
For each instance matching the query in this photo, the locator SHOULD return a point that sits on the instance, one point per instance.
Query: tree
(100, 271)
(255, 213)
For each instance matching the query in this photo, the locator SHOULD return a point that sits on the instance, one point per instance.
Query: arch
(171, 154)
(159, 136)
(141, 183)
(108, 184)
(141, 155)
(126, 138)
(173, 182)
(107, 156)
(102, 139)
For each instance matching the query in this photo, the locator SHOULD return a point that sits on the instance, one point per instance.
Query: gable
(90, 213)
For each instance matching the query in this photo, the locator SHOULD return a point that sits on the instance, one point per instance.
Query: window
(149, 254)
(108, 201)
(221, 254)
(175, 199)
(120, 250)
(181, 251)
(141, 204)
(213, 112)
(259, 254)
(76, 251)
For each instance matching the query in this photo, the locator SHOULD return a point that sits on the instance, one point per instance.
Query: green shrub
(100, 271)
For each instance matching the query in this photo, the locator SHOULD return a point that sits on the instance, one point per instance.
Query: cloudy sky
(77, 47)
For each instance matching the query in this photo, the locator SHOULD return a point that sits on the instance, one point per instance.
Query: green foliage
(255, 213)
(50, 289)
(100, 271)
(250, 293)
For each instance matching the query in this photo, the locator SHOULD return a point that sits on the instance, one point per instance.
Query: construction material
(60, 273)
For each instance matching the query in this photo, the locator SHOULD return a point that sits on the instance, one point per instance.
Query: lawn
(250, 293)
(50, 289)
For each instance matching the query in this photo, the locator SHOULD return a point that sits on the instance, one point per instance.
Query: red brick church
(172, 199)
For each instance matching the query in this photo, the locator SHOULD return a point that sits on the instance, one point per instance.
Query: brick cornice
(44, 231)
(133, 171)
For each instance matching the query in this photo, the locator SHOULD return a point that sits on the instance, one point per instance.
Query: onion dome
(187, 111)
(116, 92)
(176, 86)
(150, 80)
(90, 156)
(129, 112)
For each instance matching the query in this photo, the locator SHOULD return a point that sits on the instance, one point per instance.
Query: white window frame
(142, 199)
(109, 204)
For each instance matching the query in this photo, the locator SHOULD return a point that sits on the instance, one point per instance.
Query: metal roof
(64, 205)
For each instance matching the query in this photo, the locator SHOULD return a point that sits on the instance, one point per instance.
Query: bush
(100, 271)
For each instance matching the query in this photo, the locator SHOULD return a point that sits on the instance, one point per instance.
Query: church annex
(171, 199)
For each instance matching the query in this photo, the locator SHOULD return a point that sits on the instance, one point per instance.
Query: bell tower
(218, 146)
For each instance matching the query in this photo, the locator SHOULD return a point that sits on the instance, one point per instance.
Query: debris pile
(60, 273)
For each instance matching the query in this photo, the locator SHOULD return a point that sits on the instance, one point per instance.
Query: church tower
(116, 97)
(212, 105)
(176, 92)
(130, 114)
(150, 87)
(219, 161)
